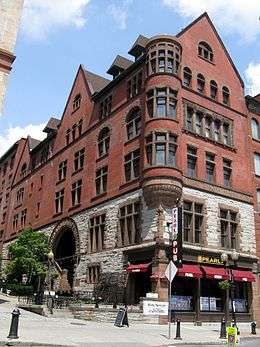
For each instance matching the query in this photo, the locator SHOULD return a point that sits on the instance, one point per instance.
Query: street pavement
(36, 330)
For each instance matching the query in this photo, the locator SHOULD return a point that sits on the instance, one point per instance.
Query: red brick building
(170, 129)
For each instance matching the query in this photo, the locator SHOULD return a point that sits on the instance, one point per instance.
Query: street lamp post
(224, 258)
(234, 257)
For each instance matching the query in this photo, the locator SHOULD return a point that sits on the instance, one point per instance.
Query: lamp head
(224, 257)
(234, 255)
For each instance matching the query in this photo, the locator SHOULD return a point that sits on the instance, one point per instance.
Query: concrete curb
(30, 344)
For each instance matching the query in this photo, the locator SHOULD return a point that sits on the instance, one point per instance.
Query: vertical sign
(177, 236)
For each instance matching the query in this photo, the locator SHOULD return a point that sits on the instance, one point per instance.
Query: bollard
(14, 324)
(178, 330)
(223, 332)
(253, 328)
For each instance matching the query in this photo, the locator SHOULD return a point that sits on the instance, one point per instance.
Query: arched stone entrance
(64, 242)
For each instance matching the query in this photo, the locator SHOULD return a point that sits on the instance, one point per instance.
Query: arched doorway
(64, 242)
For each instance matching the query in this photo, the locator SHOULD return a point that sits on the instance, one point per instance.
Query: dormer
(118, 66)
(138, 48)
(52, 126)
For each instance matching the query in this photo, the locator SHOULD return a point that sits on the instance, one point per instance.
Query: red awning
(189, 271)
(241, 275)
(138, 267)
(218, 273)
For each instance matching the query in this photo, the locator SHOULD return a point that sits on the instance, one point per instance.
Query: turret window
(162, 102)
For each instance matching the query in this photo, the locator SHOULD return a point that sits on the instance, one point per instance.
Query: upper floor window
(225, 95)
(59, 200)
(258, 199)
(97, 226)
(187, 77)
(191, 161)
(76, 192)
(227, 172)
(79, 159)
(62, 171)
(105, 107)
(213, 90)
(205, 51)
(161, 148)
(15, 221)
(255, 129)
(103, 141)
(19, 195)
(193, 218)
(76, 102)
(23, 170)
(228, 228)
(163, 57)
(80, 126)
(23, 217)
(101, 180)
(162, 102)
(132, 165)
(201, 122)
(134, 85)
(67, 136)
(210, 167)
(200, 83)
(257, 163)
(133, 123)
(129, 224)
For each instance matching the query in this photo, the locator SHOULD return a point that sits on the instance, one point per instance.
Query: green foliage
(28, 257)
(20, 289)
(224, 285)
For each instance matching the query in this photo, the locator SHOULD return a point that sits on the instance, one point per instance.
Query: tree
(28, 258)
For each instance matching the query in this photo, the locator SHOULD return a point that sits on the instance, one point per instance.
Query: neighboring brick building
(170, 129)
(10, 14)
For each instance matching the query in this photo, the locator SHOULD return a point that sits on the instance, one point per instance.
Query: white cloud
(40, 17)
(233, 17)
(253, 78)
(9, 136)
(119, 12)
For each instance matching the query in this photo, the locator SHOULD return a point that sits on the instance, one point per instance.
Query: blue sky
(56, 36)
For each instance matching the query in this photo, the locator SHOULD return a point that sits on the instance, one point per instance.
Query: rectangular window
(23, 217)
(101, 181)
(76, 192)
(79, 159)
(227, 172)
(257, 163)
(59, 200)
(19, 196)
(15, 221)
(97, 233)
(191, 161)
(208, 125)
(198, 123)
(228, 228)
(161, 149)
(129, 224)
(105, 107)
(193, 214)
(216, 130)
(189, 118)
(210, 167)
(132, 165)
(93, 274)
(62, 171)
(134, 85)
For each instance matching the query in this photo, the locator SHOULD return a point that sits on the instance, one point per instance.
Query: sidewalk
(35, 330)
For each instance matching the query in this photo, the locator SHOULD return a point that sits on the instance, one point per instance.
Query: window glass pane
(161, 107)
(257, 164)
(255, 131)
(258, 199)
(171, 158)
(160, 154)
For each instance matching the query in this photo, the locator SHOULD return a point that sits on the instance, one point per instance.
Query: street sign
(171, 271)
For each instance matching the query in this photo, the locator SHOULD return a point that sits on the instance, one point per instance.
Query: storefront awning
(241, 275)
(138, 267)
(218, 273)
(189, 271)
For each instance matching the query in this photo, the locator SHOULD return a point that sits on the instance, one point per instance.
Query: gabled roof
(9, 151)
(257, 97)
(205, 14)
(32, 143)
(52, 125)
(119, 64)
(95, 82)
(139, 46)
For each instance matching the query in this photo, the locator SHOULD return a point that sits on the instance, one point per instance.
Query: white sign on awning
(155, 308)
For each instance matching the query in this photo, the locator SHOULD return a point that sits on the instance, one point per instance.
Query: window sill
(57, 183)
(99, 196)
(75, 110)
(152, 119)
(131, 140)
(102, 157)
(57, 214)
(74, 207)
(208, 61)
(129, 183)
(77, 171)
(17, 206)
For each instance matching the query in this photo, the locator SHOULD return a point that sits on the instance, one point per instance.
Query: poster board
(155, 308)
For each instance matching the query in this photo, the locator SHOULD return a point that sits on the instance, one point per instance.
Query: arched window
(205, 51)
(133, 123)
(258, 199)
(76, 102)
(103, 141)
(225, 95)
(200, 83)
(187, 77)
(255, 129)
(213, 90)
(23, 170)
